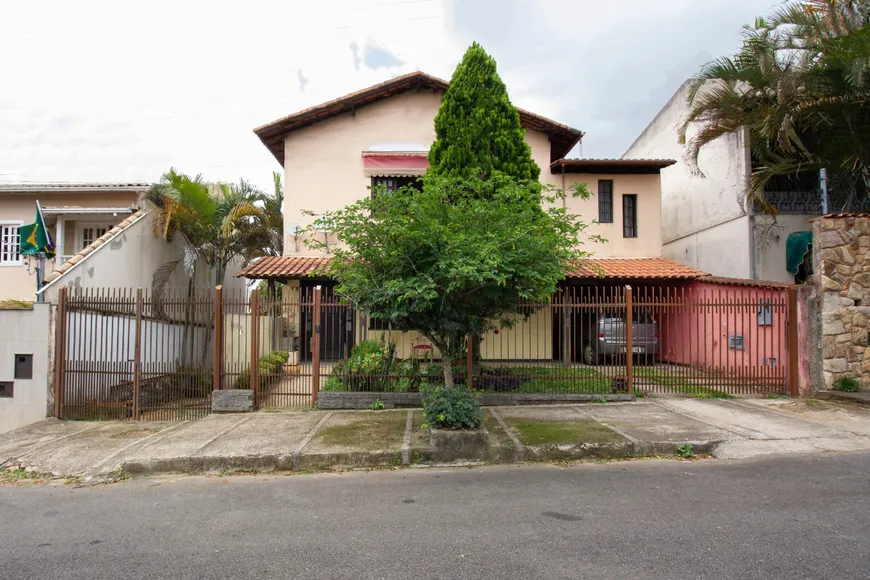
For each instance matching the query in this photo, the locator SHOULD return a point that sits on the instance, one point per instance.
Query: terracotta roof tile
(626, 268)
(635, 268)
(562, 137)
(282, 267)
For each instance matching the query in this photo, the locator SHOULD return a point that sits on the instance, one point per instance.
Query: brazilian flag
(35, 238)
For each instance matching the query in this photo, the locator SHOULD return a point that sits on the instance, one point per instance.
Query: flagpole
(40, 277)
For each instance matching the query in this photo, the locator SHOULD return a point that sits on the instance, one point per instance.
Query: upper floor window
(10, 244)
(91, 233)
(394, 183)
(605, 202)
(629, 216)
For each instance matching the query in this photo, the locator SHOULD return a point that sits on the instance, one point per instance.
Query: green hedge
(270, 367)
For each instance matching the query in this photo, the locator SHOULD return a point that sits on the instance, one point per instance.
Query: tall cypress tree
(477, 129)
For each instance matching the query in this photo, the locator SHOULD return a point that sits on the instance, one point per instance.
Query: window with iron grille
(605, 202)
(10, 244)
(394, 183)
(765, 313)
(629, 216)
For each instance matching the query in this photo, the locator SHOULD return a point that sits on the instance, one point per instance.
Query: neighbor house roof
(290, 267)
(630, 166)
(93, 247)
(562, 137)
(72, 187)
(767, 284)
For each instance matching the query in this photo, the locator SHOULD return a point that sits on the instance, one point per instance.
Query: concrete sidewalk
(324, 440)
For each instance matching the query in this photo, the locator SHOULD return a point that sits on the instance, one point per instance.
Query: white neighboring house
(706, 221)
(76, 214)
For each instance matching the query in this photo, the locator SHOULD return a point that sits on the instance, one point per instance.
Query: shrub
(269, 366)
(451, 409)
(847, 385)
(368, 368)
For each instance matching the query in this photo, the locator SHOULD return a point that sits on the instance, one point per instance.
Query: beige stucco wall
(15, 282)
(324, 171)
(648, 243)
(721, 250)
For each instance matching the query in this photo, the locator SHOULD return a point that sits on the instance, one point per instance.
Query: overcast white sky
(96, 90)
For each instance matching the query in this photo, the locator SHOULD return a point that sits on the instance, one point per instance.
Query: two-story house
(76, 215)
(333, 152)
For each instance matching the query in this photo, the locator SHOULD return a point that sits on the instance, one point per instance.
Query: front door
(336, 324)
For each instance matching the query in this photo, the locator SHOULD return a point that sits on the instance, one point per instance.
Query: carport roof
(295, 267)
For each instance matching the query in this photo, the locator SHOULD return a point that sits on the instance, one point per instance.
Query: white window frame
(80, 232)
(15, 224)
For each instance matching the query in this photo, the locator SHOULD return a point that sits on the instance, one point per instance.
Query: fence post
(137, 359)
(793, 358)
(255, 346)
(60, 353)
(469, 361)
(629, 341)
(218, 338)
(315, 349)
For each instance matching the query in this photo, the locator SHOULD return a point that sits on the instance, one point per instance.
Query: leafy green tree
(460, 258)
(799, 86)
(477, 129)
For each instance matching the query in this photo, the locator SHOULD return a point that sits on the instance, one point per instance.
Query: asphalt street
(791, 518)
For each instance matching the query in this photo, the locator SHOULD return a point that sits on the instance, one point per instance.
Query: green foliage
(847, 385)
(450, 261)
(370, 367)
(378, 405)
(451, 408)
(270, 368)
(685, 451)
(800, 85)
(477, 129)
(219, 222)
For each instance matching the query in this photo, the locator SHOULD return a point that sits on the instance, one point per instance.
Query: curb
(419, 458)
(843, 397)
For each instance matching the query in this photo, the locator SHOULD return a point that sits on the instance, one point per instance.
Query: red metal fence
(128, 354)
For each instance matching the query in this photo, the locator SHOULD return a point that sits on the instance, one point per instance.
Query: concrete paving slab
(543, 413)
(263, 434)
(17, 442)
(77, 454)
(756, 422)
(188, 439)
(652, 423)
(850, 419)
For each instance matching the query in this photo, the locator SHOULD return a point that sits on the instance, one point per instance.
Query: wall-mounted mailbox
(23, 366)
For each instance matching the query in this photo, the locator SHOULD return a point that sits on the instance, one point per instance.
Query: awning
(796, 247)
(395, 163)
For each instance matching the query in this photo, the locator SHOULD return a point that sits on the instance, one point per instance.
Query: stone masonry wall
(842, 270)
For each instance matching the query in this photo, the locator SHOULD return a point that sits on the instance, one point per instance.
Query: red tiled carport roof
(562, 137)
(290, 267)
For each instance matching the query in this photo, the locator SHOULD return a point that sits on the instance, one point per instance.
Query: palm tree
(219, 223)
(799, 86)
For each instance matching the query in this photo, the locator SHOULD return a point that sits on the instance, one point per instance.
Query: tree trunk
(447, 366)
(475, 353)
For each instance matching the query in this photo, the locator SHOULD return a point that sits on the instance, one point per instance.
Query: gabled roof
(291, 267)
(562, 137)
(136, 187)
